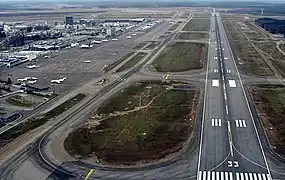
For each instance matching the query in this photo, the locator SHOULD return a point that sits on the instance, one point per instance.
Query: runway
(231, 147)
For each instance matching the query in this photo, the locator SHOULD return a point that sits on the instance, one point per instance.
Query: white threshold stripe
(237, 124)
(214, 175)
(226, 175)
(243, 122)
(220, 122)
(240, 123)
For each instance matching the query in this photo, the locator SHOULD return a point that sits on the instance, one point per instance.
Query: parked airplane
(74, 44)
(27, 78)
(84, 46)
(32, 66)
(32, 82)
(96, 42)
(58, 81)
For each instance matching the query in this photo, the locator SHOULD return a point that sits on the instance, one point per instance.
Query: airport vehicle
(134, 34)
(105, 40)
(58, 81)
(129, 37)
(32, 66)
(87, 61)
(115, 39)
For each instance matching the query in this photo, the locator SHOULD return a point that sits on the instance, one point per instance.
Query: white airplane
(87, 61)
(115, 39)
(105, 40)
(129, 37)
(24, 79)
(32, 66)
(84, 46)
(96, 42)
(32, 82)
(27, 78)
(58, 81)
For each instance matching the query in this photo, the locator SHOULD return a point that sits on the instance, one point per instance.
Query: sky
(64, 1)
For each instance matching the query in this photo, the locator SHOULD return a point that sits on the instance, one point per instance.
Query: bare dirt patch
(270, 103)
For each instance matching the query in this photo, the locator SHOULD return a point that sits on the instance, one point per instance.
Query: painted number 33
(233, 164)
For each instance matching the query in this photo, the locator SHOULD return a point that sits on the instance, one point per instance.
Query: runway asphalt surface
(229, 142)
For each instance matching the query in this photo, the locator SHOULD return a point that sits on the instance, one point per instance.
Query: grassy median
(117, 62)
(191, 36)
(133, 61)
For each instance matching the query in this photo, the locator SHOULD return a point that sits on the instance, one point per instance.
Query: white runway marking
(213, 175)
(225, 96)
(232, 83)
(227, 110)
(216, 122)
(240, 123)
(215, 83)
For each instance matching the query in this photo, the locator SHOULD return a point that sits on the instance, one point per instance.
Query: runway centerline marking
(230, 139)
(227, 109)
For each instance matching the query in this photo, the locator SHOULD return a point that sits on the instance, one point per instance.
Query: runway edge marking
(204, 106)
(261, 147)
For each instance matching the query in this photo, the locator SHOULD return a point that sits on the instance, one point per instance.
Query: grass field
(271, 53)
(270, 103)
(181, 56)
(21, 101)
(117, 62)
(31, 124)
(191, 36)
(133, 61)
(248, 60)
(197, 25)
(142, 123)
